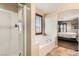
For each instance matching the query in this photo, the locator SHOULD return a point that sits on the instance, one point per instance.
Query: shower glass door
(11, 34)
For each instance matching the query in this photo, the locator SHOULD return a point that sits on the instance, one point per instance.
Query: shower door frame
(23, 8)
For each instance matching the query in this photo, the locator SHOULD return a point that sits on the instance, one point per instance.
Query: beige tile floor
(61, 51)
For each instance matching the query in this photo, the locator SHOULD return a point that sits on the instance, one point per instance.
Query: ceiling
(69, 14)
(48, 7)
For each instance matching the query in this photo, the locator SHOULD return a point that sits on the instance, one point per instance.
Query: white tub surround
(45, 44)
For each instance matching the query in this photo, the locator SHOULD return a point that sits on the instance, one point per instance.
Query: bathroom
(31, 29)
(48, 41)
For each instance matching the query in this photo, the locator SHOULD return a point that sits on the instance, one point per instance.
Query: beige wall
(9, 6)
(34, 46)
(38, 11)
(28, 32)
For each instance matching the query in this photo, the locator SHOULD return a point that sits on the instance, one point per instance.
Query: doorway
(68, 33)
(68, 40)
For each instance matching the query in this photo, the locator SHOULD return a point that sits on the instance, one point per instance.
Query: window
(38, 24)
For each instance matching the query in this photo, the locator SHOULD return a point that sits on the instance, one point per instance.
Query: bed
(67, 36)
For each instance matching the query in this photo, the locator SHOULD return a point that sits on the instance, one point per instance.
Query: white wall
(51, 26)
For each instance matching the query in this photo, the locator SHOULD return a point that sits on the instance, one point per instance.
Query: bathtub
(45, 45)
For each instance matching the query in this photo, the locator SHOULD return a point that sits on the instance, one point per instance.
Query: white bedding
(67, 34)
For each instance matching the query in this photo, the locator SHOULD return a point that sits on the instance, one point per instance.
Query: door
(10, 33)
